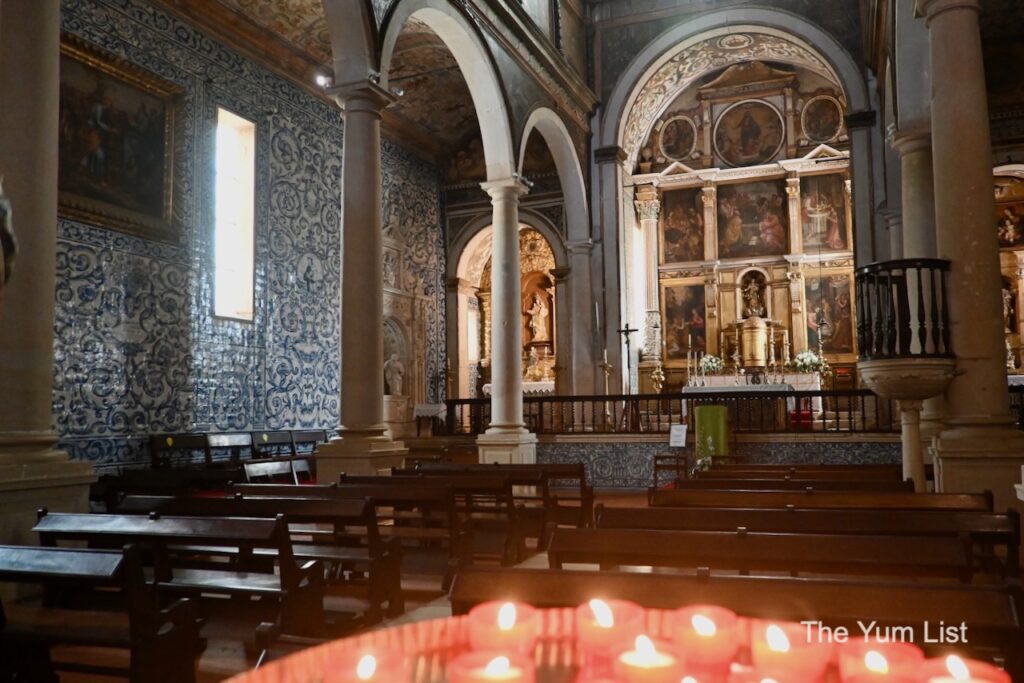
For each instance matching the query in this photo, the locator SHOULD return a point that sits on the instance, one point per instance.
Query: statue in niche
(8, 245)
(394, 371)
(753, 296)
(538, 312)
(1007, 308)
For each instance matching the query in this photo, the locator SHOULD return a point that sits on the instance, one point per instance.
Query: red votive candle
(706, 634)
(503, 626)
(648, 662)
(782, 650)
(367, 667)
(954, 669)
(491, 667)
(865, 661)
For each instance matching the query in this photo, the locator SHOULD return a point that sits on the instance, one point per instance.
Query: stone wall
(137, 348)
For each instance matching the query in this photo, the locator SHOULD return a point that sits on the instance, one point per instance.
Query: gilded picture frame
(117, 143)
(683, 318)
(831, 292)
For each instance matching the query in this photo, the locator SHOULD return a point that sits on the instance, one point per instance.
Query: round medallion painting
(822, 119)
(678, 137)
(749, 133)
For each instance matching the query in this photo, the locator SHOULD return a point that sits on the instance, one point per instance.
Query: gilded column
(796, 232)
(980, 448)
(709, 197)
(648, 207)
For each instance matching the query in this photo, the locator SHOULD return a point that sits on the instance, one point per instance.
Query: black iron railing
(902, 311)
(755, 412)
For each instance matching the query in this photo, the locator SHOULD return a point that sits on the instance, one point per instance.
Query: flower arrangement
(711, 365)
(809, 361)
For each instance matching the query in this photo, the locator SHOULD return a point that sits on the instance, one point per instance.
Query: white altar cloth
(793, 381)
(547, 387)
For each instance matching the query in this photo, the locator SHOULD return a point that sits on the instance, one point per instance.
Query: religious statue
(538, 312)
(8, 245)
(1007, 309)
(394, 371)
(753, 299)
(1011, 361)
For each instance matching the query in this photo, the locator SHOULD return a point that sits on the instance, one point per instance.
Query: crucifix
(625, 332)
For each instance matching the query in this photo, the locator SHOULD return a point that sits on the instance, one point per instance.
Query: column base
(507, 447)
(975, 459)
(358, 452)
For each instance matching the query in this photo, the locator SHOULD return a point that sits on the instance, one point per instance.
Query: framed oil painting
(822, 119)
(682, 226)
(753, 219)
(116, 146)
(823, 212)
(678, 138)
(749, 133)
(830, 315)
(683, 318)
(1010, 224)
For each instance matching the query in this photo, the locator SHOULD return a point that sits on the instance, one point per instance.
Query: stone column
(709, 199)
(364, 444)
(648, 208)
(582, 321)
(33, 473)
(861, 127)
(564, 333)
(980, 449)
(914, 148)
(796, 228)
(506, 440)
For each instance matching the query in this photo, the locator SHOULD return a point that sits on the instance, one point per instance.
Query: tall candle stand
(606, 368)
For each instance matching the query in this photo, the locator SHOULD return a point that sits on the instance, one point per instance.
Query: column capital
(506, 188)
(906, 142)
(929, 9)
(580, 247)
(647, 203)
(361, 96)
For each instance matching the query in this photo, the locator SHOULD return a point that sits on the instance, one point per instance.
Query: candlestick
(707, 635)
(784, 648)
(491, 667)
(955, 669)
(366, 667)
(648, 662)
(785, 347)
(597, 316)
(499, 625)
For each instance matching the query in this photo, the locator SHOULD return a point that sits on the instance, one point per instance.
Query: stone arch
(477, 67)
(574, 193)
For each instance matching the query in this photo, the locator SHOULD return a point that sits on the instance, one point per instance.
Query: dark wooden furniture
(272, 444)
(993, 612)
(163, 645)
(168, 450)
(235, 443)
(298, 589)
(786, 484)
(822, 500)
(305, 441)
(676, 467)
(110, 489)
(861, 473)
(743, 551)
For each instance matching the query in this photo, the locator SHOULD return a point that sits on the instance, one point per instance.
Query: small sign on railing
(677, 436)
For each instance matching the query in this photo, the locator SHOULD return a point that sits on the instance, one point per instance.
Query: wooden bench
(786, 484)
(985, 529)
(351, 538)
(272, 444)
(863, 474)
(676, 466)
(235, 443)
(305, 441)
(991, 611)
(297, 588)
(278, 471)
(167, 450)
(822, 500)
(743, 551)
(162, 644)
(164, 482)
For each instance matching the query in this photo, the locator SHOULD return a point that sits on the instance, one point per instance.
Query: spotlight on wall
(397, 92)
(322, 80)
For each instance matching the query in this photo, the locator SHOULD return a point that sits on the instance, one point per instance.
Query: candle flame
(645, 647)
(507, 616)
(498, 666)
(366, 667)
(769, 680)
(689, 679)
(704, 626)
(958, 668)
(875, 662)
(777, 640)
(602, 613)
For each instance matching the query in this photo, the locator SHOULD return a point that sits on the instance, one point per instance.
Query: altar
(534, 388)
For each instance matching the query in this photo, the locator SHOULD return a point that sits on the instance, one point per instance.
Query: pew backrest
(822, 500)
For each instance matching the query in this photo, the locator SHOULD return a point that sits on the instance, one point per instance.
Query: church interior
(423, 341)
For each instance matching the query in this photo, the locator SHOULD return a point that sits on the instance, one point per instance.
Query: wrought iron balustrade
(902, 310)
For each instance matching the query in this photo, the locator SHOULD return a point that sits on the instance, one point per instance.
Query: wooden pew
(232, 442)
(848, 500)
(297, 588)
(162, 644)
(277, 471)
(165, 482)
(865, 474)
(862, 471)
(991, 611)
(167, 450)
(786, 484)
(272, 444)
(352, 538)
(908, 556)
(985, 529)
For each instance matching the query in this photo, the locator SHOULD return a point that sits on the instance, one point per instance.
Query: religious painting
(823, 212)
(822, 119)
(116, 143)
(683, 319)
(753, 219)
(1010, 224)
(749, 133)
(830, 317)
(678, 137)
(682, 226)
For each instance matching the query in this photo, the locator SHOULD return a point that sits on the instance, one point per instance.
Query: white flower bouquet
(711, 365)
(808, 361)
